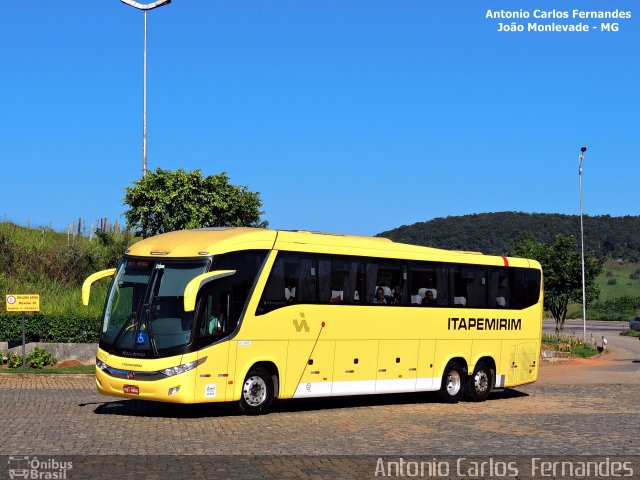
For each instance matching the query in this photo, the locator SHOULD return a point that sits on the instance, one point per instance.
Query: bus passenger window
(340, 279)
(424, 285)
(459, 287)
(292, 280)
(477, 287)
(391, 276)
(498, 288)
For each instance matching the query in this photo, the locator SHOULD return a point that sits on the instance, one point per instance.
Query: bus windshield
(144, 310)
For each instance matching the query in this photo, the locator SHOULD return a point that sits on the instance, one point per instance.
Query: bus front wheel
(479, 384)
(257, 392)
(453, 382)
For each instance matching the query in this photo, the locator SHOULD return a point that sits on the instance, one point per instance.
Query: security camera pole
(584, 302)
(144, 8)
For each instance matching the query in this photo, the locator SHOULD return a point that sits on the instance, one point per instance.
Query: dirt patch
(67, 363)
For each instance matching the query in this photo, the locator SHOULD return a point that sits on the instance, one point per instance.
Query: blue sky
(350, 116)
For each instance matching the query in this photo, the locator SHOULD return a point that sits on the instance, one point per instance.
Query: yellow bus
(249, 315)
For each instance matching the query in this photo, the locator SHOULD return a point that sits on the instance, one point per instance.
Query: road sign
(22, 303)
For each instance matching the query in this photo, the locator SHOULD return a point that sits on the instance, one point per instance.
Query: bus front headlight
(185, 367)
(101, 365)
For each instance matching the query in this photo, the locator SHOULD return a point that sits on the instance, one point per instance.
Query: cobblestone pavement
(584, 409)
(64, 415)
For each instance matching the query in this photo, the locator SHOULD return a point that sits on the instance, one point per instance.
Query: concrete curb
(82, 352)
(553, 356)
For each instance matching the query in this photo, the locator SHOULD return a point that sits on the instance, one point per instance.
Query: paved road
(584, 408)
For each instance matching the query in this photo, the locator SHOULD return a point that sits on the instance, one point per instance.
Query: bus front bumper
(175, 389)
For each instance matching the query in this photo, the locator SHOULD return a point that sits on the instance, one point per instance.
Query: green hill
(492, 233)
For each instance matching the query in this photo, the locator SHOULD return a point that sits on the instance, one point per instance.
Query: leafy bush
(40, 358)
(630, 333)
(571, 344)
(50, 328)
(612, 281)
(14, 360)
(621, 308)
(635, 275)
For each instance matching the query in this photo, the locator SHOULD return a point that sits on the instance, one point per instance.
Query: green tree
(166, 200)
(562, 270)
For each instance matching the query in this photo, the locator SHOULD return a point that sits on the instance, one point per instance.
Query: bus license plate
(133, 389)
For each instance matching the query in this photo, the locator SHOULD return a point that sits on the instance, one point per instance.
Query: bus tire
(479, 384)
(453, 381)
(257, 392)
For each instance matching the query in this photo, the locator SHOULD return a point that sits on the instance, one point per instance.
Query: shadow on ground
(141, 408)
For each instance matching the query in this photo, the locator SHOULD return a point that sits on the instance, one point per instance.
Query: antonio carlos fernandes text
(494, 468)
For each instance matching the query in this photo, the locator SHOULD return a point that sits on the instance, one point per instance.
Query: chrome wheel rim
(254, 391)
(481, 381)
(454, 383)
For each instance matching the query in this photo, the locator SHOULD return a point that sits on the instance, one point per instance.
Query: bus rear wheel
(479, 384)
(257, 392)
(453, 382)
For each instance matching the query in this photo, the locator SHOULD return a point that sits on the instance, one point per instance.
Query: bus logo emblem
(300, 325)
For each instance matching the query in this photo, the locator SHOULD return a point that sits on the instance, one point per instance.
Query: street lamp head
(582, 149)
(149, 6)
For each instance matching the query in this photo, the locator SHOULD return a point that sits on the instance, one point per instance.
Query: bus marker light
(205, 375)
(174, 390)
(230, 382)
(223, 375)
(132, 389)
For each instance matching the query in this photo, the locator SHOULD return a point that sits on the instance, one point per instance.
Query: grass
(80, 369)
(618, 271)
(59, 299)
(52, 264)
(566, 343)
(630, 333)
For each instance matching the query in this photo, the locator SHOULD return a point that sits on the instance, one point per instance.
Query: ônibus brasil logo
(34, 468)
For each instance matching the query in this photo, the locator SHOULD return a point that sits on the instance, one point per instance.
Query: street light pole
(144, 8)
(584, 302)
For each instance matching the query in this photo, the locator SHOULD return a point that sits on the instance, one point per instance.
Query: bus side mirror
(86, 286)
(194, 286)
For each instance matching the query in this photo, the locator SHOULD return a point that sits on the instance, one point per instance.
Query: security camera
(583, 149)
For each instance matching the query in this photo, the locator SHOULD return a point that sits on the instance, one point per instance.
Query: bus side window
(459, 287)
(213, 318)
(292, 280)
(340, 279)
(517, 287)
(498, 295)
(391, 276)
(533, 286)
(477, 287)
(428, 277)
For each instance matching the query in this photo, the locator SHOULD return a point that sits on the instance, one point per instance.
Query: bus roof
(214, 241)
